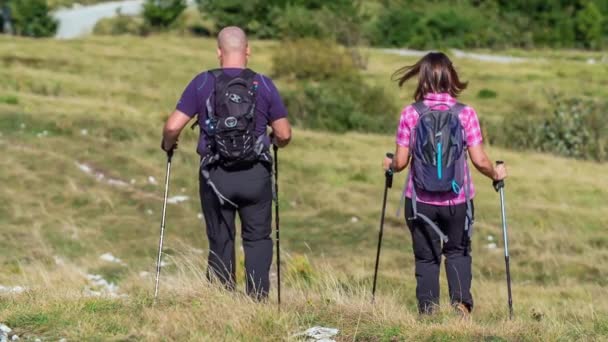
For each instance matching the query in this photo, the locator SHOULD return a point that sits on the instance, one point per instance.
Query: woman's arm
(399, 161)
(484, 165)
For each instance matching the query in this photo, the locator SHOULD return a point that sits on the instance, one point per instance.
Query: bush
(312, 59)
(576, 128)
(589, 22)
(120, 25)
(341, 106)
(476, 23)
(254, 16)
(32, 18)
(432, 26)
(487, 94)
(330, 93)
(162, 13)
(338, 20)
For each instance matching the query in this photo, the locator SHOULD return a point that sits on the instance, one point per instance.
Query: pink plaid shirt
(470, 123)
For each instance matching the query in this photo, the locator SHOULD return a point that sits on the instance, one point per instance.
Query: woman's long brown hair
(435, 73)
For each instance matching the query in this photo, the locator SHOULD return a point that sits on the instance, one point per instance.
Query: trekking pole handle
(501, 183)
(389, 173)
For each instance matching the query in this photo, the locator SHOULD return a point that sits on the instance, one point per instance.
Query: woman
(438, 87)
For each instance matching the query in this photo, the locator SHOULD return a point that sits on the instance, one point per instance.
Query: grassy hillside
(80, 127)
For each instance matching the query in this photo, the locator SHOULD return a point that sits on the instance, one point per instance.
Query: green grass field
(98, 104)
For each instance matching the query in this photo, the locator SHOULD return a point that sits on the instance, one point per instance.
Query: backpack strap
(457, 108)
(420, 107)
(425, 218)
(248, 75)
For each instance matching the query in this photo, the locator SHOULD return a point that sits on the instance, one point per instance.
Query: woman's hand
(500, 172)
(387, 163)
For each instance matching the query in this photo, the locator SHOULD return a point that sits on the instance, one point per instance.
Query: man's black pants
(251, 190)
(428, 250)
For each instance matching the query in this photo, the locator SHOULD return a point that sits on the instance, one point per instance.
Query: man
(234, 107)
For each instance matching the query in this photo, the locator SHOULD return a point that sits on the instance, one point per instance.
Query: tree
(589, 27)
(32, 18)
(162, 13)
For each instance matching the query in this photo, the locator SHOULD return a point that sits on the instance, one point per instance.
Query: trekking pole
(388, 183)
(500, 187)
(162, 223)
(276, 218)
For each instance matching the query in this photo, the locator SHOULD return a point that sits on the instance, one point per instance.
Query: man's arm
(173, 127)
(281, 131)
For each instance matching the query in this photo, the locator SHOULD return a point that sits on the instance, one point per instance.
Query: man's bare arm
(173, 127)
(281, 130)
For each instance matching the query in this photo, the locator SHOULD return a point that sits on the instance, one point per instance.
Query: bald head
(232, 39)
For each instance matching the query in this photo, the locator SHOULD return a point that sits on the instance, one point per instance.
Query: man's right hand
(168, 149)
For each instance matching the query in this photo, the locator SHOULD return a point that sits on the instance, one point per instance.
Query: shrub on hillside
(120, 25)
(162, 13)
(32, 18)
(459, 25)
(474, 23)
(312, 59)
(254, 16)
(338, 20)
(342, 105)
(589, 26)
(577, 128)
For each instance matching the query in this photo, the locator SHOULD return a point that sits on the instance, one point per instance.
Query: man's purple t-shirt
(269, 105)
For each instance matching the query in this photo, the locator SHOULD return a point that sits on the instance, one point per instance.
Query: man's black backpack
(230, 125)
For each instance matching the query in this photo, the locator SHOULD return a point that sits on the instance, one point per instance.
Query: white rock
(143, 274)
(37, 340)
(5, 329)
(149, 211)
(177, 199)
(199, 216)
(491, 246)
(3, 338)
(58, 260)
(84, 168)
(183, 189)
(63, 340)
(591, 61)
(110, 258)
(152, 180)
(354, 219)
(132, 181)
(22, 126)
(14, 338)
(84, 132)
(12, 289)
(319, 334)
(117, 182)
(490, 238)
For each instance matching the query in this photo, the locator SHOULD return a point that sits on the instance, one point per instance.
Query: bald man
(234, 106)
